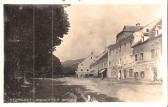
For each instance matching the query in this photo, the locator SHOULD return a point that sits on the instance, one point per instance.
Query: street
(70, 89)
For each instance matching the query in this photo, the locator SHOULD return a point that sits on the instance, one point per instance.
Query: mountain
(73, 63)
(70, 66)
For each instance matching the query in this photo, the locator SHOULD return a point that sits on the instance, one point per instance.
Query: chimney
(138, 24)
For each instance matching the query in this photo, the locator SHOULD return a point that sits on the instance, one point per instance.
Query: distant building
(99, 66)
(147, 52)
(120, 54)
(83, 69)
(135, 55)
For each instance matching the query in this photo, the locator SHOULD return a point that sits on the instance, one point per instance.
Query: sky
(93, 27)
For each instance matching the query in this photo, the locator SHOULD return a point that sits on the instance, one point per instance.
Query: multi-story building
(135, 55)
(83, 69)
(120, 54)
(147, 50)
(99, 66)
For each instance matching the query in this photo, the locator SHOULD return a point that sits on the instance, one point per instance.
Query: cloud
(93, 27)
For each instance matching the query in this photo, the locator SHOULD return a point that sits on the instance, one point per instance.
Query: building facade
(99, 66)
(120, 54)
(83, 69)
(135, 55)
(147, 52)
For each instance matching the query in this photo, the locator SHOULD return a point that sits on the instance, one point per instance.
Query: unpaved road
(70, 89)
(73, 89)
(122, 90)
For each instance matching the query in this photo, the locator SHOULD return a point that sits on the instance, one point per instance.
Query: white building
(120, 54)
(147, 52)
(83, 69)
(99, 66)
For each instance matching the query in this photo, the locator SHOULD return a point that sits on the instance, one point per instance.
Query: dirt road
(70, 89)
(122, 90)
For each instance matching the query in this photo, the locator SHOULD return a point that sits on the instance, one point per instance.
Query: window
(109, 62)
(110, 52)
(87, 70)
(81, 69)
(147, 30)
(125, 74)
(105, 64)
(136, 57)
(155, 73)
(130, 73)
(142, 74)
(152, 53)
(156, 53)
(120, 49)
(112, 74)
(130, 43)
(125, 45)
(141, 56)
(90, 57)
(136, 75)
(157, 33)
(120, 61)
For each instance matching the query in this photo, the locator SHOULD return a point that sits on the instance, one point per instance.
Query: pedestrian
(119, 76)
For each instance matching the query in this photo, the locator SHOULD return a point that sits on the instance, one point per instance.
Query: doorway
(125, 74)
(155, 73)
(136, 75)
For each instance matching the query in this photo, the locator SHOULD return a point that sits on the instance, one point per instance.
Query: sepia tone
(70, 53)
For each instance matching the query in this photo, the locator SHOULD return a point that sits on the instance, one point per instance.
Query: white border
(120, 104)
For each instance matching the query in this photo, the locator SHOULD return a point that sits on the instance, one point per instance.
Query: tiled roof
(151, 27)
(100, 56)
(142, 42)
(110, 46)
(132, 28)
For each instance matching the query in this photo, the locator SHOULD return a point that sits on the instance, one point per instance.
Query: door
(125, 74)
(142, 75)
(155, 73)
(136, 75)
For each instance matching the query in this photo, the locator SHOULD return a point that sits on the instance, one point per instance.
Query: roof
(118, 43)
(130, 29)
(100, 56)
(84, 59)
(152, 25)
(111, 46)
(142, 42)
(143, 32)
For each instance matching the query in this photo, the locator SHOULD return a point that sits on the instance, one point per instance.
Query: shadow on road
(48, 90)
(68, 93)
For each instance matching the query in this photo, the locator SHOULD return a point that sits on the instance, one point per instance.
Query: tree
(32, 33)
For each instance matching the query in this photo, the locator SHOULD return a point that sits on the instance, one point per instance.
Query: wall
(120, 58)
(149, 61)
(84, 66)
(100, 63)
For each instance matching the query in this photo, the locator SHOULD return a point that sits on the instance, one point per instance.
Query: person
(119, 76)
(155, 75)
